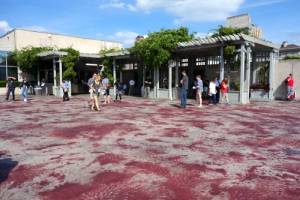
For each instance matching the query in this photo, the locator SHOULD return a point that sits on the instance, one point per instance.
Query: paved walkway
(142, 149)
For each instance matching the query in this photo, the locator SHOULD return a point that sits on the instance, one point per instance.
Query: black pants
(12, 91)
(120, 96)
(66, 96)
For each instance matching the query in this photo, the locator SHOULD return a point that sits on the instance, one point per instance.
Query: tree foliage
(69, 62)
(107, 63)
(292, 57)
(223, 31)
(155, 50)
(27, 58)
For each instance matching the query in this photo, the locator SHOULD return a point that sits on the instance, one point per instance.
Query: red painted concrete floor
(142, 149)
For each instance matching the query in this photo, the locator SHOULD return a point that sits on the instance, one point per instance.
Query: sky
(123, 20)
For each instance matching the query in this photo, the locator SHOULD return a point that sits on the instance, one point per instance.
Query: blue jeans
(24, 92)
(183, 97)
(290, 91)
(212, 99)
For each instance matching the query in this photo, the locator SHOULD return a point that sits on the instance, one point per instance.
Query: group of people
(101, 86)
(216, 90)
(11, 86)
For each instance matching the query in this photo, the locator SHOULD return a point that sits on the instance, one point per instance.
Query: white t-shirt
(212, 88)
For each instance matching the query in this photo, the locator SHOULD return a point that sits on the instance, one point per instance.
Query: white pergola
(56, 58)
(247, 45)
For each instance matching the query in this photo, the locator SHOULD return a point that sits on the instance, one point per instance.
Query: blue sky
(122, 20)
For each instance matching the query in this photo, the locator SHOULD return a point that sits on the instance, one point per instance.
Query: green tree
(107, 63)
(155, 50)
(223, 31)
(229, 48)
(69, 62)
(27, 58)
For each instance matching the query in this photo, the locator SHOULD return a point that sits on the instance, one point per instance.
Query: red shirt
(224, 87)
(290, 81)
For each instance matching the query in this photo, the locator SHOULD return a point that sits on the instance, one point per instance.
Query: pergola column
(170, 80)
(271, 75)
(242, 74)
(38, 76)
(114, 76)
(176, 72)
(248, 72)
(221, 63)
(60, 76)
(254, 68)
(54, 73)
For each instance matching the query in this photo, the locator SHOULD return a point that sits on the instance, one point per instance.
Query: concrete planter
(259, 94)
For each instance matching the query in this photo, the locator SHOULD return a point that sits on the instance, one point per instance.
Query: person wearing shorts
(224, 91)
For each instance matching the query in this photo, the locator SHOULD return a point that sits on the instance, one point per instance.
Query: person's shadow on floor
(6, 166)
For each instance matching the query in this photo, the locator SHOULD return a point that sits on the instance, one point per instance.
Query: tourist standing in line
(218, 87)
(184, 89)
(212, 92)
(24, 86)
(199, 90)
(43, 88)
(96, 93)
(224, 91)
(147, 84)
(106, 87)
(10, 87)
(90, 84)
(290, 87)
(119, 90)
(66, 88)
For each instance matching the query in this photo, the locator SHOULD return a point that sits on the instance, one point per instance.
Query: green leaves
(155, 50)
(27, 58)
(222, 31)
(69, 62)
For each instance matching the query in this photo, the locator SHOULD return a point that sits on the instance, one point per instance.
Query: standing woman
(199, 88)
(24, 89)
(96, 93)
(224, 91)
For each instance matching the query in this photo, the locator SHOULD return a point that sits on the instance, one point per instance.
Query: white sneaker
(25, 100)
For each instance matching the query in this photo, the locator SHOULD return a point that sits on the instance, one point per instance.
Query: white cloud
(112, 4)
(259, 3)
(4, 26)
(190, 10)
(127, 38)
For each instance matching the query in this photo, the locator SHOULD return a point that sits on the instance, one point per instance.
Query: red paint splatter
(109, 158)
(24, 173)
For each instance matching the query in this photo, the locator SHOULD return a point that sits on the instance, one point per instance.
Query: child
(224, 91)
(66, 87)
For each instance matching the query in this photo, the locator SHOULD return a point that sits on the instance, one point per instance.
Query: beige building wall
(7, 42)
(25, 38)
(282, 70)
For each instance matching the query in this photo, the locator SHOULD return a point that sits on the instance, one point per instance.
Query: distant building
(287, 49)
(18, 39)
(244, 21)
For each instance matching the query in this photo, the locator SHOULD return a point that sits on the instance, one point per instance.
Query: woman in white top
(212, 92)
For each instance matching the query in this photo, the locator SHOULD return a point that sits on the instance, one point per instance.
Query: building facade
(18, 39)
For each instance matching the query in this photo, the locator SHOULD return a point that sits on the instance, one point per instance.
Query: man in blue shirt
(184, 89)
